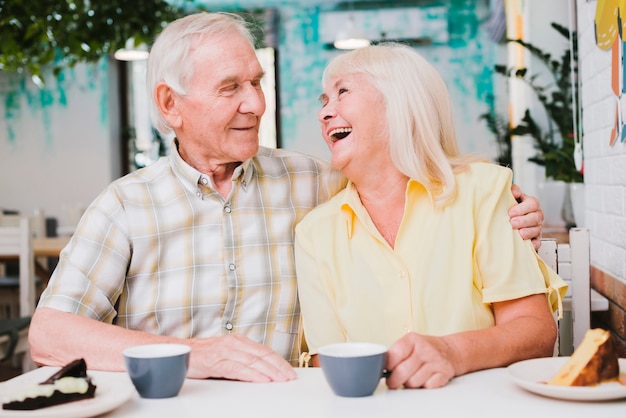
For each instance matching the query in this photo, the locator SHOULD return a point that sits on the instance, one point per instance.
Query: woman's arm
(524, 329)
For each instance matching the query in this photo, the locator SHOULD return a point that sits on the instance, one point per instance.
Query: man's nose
(253, 101)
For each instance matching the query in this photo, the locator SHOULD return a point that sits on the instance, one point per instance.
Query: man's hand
(236, 357)
(526, 216)
(53, 342)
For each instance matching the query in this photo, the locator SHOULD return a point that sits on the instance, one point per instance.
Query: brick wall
(605, 175)
(615, 318)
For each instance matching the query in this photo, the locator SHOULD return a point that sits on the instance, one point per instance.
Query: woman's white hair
(170, 59)
(422, 141)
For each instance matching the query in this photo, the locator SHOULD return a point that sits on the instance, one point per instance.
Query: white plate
(112, 390)
(532, 375)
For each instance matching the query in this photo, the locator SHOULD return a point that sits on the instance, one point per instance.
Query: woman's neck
(384, 201)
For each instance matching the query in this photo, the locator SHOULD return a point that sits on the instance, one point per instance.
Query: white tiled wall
(605, 165)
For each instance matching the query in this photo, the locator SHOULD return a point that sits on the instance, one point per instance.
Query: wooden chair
(14, 338)
(10, 280)
(572, 262)
(16, 241)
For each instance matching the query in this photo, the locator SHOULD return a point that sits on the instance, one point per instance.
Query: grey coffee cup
(157, 370)
(353, 369)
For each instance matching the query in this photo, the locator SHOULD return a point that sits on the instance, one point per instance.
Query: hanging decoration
(610, 32)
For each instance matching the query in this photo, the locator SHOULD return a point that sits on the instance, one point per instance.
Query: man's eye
(343, 90)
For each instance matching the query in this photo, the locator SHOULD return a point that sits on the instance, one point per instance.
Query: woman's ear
(165, 99)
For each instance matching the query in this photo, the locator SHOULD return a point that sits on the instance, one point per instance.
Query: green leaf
(61, 33)
(555, 148)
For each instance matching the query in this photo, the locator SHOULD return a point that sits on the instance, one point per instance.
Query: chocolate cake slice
(69, 384)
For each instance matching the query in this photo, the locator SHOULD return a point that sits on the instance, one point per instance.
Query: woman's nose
(326, 113)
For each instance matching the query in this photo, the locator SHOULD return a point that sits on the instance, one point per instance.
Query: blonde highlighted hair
(422, 141)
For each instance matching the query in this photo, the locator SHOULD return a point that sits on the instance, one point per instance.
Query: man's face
(221, 114)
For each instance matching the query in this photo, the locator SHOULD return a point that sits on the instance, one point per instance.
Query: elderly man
(198, 247)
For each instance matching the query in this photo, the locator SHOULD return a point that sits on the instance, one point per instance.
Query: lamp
(130, 52)
(350, 37)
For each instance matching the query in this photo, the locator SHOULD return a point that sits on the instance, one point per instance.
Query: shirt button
(198, 194)
(204, 181)
(231, 267)
(229, 326)
(227, 209)
(403, 274)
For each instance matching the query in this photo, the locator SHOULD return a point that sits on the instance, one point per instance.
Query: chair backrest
(574, 268)
(572, 262)
(16, 241)
(549, 254)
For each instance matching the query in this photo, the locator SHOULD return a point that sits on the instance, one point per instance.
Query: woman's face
(354, 124)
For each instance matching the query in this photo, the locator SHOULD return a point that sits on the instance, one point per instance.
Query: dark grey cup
(157, 370)
(353, 369)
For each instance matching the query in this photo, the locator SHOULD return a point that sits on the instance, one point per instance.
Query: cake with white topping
(71, 383)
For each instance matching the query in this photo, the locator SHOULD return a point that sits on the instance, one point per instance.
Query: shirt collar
(352, 208)
(192, 178)
(189, 176)
(245, 172)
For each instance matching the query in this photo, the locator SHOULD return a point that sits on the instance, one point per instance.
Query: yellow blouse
(448, 265)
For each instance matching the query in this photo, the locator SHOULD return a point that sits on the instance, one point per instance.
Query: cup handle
(386, 373)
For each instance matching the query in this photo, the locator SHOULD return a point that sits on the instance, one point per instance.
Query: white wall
(58, 146)
(605, 165)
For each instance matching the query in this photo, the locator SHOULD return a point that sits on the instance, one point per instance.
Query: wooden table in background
(560, 234)
(47, 247)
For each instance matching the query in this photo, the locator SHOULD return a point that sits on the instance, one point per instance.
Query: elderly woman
(417, 252)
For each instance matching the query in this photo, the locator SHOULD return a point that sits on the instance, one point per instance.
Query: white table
(487, 393)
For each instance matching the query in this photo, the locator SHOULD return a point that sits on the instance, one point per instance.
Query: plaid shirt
(161, 251)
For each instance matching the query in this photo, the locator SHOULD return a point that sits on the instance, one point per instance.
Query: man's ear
(165, 99)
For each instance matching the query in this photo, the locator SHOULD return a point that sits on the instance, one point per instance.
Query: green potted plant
(500, 127)
(556, 146)
(53, 35)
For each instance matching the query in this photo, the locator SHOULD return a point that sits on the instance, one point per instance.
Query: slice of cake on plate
(594, 361)
(71, 383)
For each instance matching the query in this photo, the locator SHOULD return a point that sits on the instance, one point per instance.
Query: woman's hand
(524, 329)
(417, 361)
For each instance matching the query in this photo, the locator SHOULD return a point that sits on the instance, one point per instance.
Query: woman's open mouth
(339, 133)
